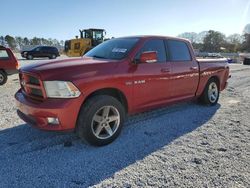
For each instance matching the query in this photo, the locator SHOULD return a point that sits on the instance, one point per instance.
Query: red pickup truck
(8, 64)
(93, 94)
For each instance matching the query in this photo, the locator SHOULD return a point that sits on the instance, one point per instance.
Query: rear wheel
(211, 93)
(100, 120)
(53, 56)
(30, 57)
(3, 77)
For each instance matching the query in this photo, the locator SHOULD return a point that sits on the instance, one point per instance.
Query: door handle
(193, 68)
(165, 70)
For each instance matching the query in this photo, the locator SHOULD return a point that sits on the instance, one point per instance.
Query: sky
(62, 19)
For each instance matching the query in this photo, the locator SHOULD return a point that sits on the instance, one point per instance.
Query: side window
(38, 49)
(43, 49)
(154, 45)
(4, 54)
(49, 49)
(178, 51)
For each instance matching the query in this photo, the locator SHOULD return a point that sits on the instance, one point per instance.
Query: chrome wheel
(213, 92)
(105, 122)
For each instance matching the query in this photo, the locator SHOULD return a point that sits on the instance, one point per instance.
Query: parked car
(41, 51)
(92, 95)
(246, 61)
(8, 64)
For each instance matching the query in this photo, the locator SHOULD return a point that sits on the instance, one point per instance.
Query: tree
(246, 43)
(197, 46)
(19, 42)
(61, 43)
(189, 35)
(10, 41)
(35, 41)
(214, 41)
(2, 41)
(26, 41)
(233, 43)
(247, 29)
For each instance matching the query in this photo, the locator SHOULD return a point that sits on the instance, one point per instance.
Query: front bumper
(36, 113)
(11, 71)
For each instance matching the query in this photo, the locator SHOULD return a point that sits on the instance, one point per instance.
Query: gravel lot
(186, 145)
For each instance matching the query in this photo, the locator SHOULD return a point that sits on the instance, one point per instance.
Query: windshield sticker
(119, 50)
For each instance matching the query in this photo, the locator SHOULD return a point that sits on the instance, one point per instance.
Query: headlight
(61, 89)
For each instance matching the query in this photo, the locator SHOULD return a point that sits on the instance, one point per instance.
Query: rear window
(4, 54)
(178, 51)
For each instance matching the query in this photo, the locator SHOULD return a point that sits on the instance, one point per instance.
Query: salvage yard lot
(178, 146)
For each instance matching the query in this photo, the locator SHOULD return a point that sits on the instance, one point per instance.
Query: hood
(70, 69)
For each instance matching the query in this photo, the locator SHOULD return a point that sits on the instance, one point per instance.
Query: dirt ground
(185, 145)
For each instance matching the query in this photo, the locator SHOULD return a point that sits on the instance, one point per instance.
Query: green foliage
(18, 43)
(214, 41)
(246, 43)
(10, 41)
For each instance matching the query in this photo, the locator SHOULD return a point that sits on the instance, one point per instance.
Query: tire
(53, 56)
(246, 61)
(3, 77)
(211, 93)
(30, 57)
(94, 123)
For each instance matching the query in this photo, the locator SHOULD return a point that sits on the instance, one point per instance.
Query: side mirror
(148, 57)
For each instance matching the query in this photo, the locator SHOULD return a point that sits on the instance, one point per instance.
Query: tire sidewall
(84, 129)
(207, 100)
(53, 56)
(30, 57)
(4, 77)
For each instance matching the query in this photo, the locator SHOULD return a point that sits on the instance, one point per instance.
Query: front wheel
(211, 93)
(100, 120)
(3, 77)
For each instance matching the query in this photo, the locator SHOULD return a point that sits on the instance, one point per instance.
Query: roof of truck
(156, 36)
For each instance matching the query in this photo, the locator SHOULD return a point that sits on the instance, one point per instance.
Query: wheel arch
(114, 92)
(217, 80)
(3, 71)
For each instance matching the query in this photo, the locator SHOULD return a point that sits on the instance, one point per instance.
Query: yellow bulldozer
(89, 38)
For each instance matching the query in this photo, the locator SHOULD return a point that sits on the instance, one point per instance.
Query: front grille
(31, 86)
(33, 80)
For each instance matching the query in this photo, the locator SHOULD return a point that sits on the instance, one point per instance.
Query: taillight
(17, 65)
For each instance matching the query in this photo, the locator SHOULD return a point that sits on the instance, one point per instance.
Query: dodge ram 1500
(92, 94)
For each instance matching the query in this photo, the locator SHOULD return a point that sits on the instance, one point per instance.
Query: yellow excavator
(89, 38)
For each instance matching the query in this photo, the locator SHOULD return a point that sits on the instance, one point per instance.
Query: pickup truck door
(151, 80)
(184, 70)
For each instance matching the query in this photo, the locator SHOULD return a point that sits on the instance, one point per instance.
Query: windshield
(113, 49)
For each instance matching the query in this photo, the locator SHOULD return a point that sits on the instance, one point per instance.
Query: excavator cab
(89, 38)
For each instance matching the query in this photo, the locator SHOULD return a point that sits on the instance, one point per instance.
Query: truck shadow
(62, 160)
